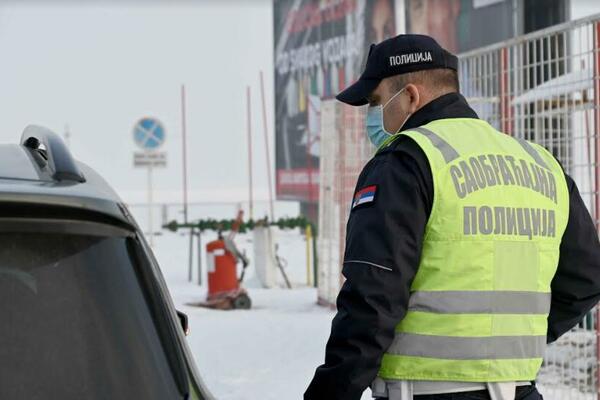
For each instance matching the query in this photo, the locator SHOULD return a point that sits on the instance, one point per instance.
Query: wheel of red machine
(242, 302)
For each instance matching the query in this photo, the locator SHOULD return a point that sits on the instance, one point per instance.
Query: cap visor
(356, 94)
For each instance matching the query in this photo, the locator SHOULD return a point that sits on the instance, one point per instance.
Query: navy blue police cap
(396, 56)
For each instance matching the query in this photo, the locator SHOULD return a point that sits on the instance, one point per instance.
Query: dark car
(84, 310)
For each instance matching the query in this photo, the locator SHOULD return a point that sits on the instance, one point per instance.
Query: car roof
(41, 171)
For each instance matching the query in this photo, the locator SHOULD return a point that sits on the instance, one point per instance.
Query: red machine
(224, 290)
(222, 268)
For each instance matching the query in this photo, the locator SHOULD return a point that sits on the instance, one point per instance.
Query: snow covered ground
(272, 350)
(268, 352)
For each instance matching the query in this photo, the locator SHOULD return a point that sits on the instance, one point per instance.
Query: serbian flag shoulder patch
(364, 196)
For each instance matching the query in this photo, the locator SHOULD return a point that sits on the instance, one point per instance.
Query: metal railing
(545, 87)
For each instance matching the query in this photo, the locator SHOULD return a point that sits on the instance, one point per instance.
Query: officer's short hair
(439, 80)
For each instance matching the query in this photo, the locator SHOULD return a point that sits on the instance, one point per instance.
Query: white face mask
(375, 126)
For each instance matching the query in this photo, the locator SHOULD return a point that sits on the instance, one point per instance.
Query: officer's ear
(414, 97)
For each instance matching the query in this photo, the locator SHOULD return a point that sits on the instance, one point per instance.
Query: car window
(74, 321)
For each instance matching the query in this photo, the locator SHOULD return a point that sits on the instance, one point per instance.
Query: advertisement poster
(320, 49)
(461, 25)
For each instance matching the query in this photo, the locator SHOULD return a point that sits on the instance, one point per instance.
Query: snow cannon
(224, 289)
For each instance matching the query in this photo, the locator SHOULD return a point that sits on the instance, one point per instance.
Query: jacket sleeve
(383, 248)
(576, 285)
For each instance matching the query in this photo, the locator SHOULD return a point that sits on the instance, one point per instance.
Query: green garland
(211, 224)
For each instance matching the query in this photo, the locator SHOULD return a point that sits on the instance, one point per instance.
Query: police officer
(467, 250)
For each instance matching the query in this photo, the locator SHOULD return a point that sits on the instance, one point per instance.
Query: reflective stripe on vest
(479, 302)
(447, 151)
(468, 348)
(480, 299)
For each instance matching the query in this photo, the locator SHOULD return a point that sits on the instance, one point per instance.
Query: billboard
(320, 49)
(461, 25)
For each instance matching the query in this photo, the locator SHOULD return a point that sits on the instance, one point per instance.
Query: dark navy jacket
(373, 300)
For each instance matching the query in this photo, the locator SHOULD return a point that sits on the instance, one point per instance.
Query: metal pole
(309, 164)
(596, 55)
(150, 201)
(185, 189)
(308, 236)
(597, 127)
(249, 118)
(309, 167)
(315, 259)
(191, 255)
(505, 107)
(268, 154)
(184, 155)
(199, 258)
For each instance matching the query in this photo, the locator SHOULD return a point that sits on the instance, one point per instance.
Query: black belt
(521, 393)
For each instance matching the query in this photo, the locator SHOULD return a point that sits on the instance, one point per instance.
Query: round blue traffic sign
(149, 133)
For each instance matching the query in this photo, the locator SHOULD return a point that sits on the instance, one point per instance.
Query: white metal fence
(544, 87)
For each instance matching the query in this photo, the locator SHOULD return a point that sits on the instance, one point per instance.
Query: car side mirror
(183, 320)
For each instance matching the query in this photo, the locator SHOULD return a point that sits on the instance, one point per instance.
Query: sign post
(149, 135)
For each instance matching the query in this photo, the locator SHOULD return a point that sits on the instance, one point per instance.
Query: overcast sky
(99, 67)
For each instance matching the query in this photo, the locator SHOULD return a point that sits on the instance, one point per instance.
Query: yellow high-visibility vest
(480, 300)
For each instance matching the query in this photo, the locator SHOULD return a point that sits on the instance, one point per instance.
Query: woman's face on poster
(436, 18)
(382, 24)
